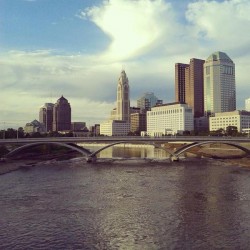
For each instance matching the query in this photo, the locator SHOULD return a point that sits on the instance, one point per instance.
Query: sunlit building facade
(172, 118)
(237, 118)
(115, 128)
(247, 104)
(46, 116)
(219, 84)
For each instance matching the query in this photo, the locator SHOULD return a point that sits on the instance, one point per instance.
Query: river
(125, 204)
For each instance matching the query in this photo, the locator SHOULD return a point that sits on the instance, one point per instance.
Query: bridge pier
(91, 159)
(174, 158)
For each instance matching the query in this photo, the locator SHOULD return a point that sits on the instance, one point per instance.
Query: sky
(77, 48)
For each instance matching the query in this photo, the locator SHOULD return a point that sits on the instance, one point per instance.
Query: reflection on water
(124, 205)
(128, 151)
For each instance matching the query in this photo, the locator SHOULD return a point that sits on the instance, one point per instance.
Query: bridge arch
(92, 156)
(81, 150)
(186, 147)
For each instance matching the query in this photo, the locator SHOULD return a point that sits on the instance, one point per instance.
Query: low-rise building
(237, 118)
(172, 118)
(201, 124)
(33, 127)
(115, 128)
(78, 126)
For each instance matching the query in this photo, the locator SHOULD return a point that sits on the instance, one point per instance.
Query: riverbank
(9, 166)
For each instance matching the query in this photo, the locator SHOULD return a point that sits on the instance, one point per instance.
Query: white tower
(123, 103)
(219, 84)
(247, 103)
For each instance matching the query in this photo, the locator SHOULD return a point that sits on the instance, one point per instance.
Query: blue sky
(77, 48)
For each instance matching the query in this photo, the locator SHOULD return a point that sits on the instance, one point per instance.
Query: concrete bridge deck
(132, 139)
(188, 141)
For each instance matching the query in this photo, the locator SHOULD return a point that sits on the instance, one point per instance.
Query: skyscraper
(219, 84)
(46, 116)
(62, 115)
(123, 102)
(189, 85)
(180, 82)
(194, 91)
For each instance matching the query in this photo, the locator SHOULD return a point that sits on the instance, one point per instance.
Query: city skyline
(52, 48)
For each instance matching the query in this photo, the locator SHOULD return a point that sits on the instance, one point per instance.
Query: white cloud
(146, 38)
(133, 26)
(225, 24)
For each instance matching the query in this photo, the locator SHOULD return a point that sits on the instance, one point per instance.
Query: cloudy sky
(77, 48)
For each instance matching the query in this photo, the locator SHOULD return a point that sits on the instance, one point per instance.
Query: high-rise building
(247, 104)
(194, 90)
(119, 122)
(219, 84)
(180, 80)
(189, 85)
(123, 101)
(46, 116)
(147, 101)
(62, 115)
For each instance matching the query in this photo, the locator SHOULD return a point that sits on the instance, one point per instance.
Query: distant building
(219, 84)
(147, 101)
(180, 82)
(189, 85)
(201, 124)
(77, 126)
(33, 127)
(95, 130)
(138, 122)
(115, 128)
(172, 118)
(46, 116)
(123, 100)
(113, 114)
(247, 104)
(133, 110)
(62, 115)
(237, 118)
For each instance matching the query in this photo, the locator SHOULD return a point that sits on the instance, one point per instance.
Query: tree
(232, 130)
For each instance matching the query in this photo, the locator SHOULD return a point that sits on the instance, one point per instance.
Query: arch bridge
(71, 142)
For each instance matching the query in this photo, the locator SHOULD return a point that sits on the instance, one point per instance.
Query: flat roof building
(237, 118)
(115, 128)
(172, 118)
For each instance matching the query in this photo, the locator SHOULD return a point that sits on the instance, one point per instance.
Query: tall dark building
(180, 82)
(62, 115)
(46, 116)
(189, 85)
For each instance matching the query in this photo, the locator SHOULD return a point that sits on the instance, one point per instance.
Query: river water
(125, 204)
